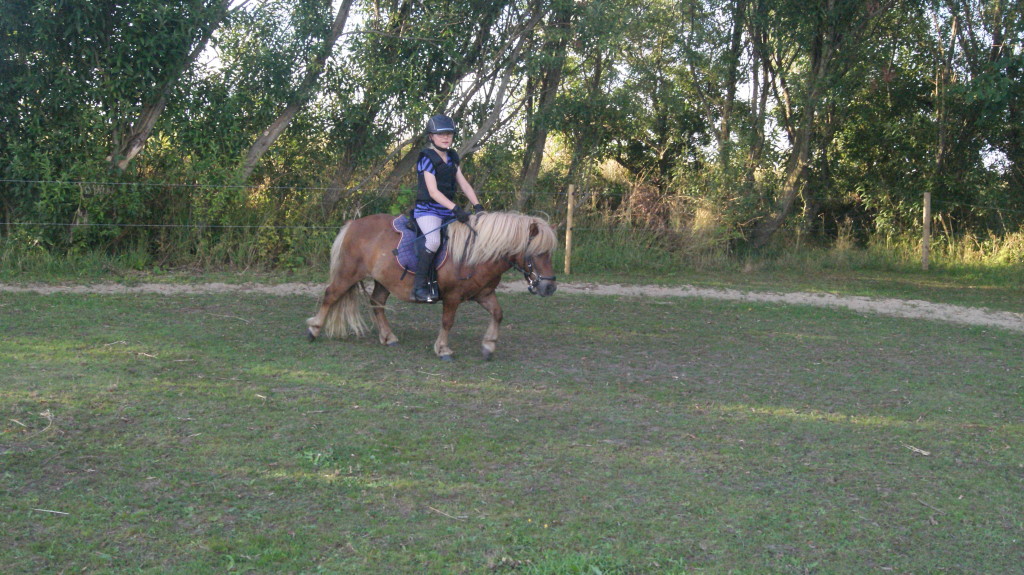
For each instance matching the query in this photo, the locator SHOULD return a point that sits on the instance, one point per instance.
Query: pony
(480, 251)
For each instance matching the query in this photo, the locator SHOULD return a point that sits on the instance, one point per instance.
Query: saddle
(405, 251)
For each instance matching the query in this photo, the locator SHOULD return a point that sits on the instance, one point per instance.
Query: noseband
(532, 278)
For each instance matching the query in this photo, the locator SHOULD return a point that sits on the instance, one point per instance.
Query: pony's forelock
(500, 235)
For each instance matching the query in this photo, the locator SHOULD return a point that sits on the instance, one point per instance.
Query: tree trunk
(141, 129)
(472, 143)
(759, 112)
(794, 174)
(942, 79)
(735, 50)
(823, 47)
(538, 135)
(469, 79)
(403, 167)
(1014, 146)
(587, 134)
(339, 181)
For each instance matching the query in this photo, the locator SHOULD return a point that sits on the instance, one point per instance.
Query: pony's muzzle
(545, 288)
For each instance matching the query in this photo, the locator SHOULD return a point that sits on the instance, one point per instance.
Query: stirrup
(424, 295)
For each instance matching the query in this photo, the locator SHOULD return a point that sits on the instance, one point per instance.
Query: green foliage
(403, 201)
(691, 101)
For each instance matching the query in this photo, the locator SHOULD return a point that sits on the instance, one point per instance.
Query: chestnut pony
(478, 254)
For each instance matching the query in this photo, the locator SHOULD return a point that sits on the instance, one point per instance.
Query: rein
(469, 245)
(423, 235)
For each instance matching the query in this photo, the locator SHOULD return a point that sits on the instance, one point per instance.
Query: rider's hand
(461, 214)
(478, 208)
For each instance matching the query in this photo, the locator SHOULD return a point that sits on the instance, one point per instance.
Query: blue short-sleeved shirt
(431, 208)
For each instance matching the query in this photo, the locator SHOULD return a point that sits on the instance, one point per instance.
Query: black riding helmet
(440, 124)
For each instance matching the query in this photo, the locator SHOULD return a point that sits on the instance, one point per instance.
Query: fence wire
(557, 196)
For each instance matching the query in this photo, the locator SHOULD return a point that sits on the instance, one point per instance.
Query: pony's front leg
(378, 299)
(447, 321)
(490, 303)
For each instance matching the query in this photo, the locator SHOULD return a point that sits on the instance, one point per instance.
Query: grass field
(203, 434)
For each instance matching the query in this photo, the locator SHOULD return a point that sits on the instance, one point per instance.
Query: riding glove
(461, 214)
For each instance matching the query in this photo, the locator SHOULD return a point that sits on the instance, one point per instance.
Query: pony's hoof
(488, 355)
(448, 357)
(309, 335)
(392, 344)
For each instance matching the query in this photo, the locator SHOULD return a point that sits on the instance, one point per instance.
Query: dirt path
(890, 307)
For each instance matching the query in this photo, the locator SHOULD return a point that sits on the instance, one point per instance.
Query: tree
(978, 93)
(588, 107)
(467, 76)
(664, 126)
(543, 80)
(833, 33)
(195, 35)
(307, 88)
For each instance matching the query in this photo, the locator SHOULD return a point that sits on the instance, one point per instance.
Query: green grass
(616, 435)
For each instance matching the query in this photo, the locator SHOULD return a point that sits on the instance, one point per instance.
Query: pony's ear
(534, 230)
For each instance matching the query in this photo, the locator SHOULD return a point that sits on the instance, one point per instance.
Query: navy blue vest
(443, 173)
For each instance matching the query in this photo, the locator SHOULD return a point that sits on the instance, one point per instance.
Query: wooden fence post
(926, 239)
(569, 206)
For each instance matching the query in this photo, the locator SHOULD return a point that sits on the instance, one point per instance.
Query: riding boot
(420, 287)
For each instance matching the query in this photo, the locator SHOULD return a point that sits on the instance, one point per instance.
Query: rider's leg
(426, 247)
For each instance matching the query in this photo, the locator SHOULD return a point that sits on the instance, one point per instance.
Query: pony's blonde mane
(500, 235)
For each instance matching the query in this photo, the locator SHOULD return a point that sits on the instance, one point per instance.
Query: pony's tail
(344, 317)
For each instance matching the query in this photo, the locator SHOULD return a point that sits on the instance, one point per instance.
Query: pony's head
(525, 242)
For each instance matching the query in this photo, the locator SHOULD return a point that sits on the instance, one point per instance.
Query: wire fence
(293, 188)
(160, 226)
(374, 199)
(553, 199)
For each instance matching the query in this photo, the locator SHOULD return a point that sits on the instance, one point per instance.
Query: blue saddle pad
(405, 252)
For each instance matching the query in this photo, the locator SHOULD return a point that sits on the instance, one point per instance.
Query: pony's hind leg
(339, 315)
(313, 325)
(332, 296)
(378, 299)
(354, 257)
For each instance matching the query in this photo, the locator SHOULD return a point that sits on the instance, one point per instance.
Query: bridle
(531, 276)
